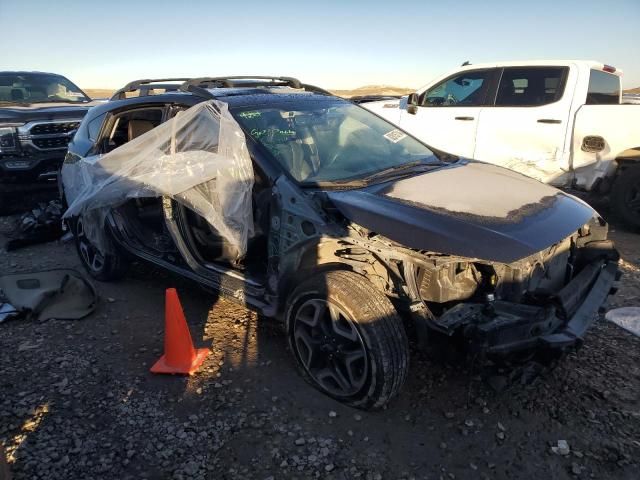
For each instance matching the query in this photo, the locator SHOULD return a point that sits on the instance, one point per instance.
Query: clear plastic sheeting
(198, 158)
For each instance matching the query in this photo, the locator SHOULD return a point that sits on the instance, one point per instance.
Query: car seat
(138, 127)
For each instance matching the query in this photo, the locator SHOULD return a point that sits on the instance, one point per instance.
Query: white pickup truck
(561, 122)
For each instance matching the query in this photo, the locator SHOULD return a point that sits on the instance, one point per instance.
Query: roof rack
(146, 85)
(242, 81)
(199, 86)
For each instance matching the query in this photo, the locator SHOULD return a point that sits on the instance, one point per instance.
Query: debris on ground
(627, 318)
(61, 293)
(41, 224)
(7, 311)
(562, 448)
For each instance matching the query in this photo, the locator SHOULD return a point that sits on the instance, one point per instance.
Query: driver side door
(448, 112)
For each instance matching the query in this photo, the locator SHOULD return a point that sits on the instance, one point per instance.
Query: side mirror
(412, 103)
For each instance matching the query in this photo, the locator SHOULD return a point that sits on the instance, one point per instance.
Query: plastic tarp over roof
(198, 158)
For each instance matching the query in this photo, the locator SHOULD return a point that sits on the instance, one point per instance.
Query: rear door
(448, 112)
(526, 127)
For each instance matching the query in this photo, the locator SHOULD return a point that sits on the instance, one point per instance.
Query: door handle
(549, 120)
(464, 118)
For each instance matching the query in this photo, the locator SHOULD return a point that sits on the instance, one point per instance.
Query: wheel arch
(329, 255)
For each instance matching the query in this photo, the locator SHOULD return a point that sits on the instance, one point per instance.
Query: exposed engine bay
(499, 309)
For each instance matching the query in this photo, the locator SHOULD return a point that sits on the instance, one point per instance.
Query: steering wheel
(450, 99)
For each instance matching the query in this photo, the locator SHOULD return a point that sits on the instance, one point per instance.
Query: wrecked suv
(315, 211)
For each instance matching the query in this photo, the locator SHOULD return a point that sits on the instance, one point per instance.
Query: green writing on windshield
(250, 114)
(276, 133)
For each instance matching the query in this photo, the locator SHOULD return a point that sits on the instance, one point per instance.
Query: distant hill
(633, 90)
(373, 90)
(98, 92)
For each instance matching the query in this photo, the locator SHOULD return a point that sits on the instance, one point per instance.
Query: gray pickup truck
(39, 113)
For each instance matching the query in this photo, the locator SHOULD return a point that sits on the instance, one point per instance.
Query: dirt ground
(77, 399)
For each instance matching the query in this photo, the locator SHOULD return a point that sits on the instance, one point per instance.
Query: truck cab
(560, 122)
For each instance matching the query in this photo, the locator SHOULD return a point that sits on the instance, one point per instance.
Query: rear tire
(348, 340)
(106, 267)
(625, 196)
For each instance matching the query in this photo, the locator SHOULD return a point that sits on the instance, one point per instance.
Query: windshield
(329, 140)
(38, 88)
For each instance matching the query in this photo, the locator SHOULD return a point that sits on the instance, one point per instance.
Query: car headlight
(7, 139)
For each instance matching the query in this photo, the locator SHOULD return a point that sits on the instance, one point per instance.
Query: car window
(466, 89)
(329, 140)
(530, 86)
(94, 125)
(129, 125)
(604, 89)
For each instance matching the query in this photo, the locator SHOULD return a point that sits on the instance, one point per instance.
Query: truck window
(531, 86)
(467, 89)
(604, 89)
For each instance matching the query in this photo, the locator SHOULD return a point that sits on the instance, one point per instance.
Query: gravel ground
(77, 399)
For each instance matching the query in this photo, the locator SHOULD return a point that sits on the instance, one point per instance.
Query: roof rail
(313, 88)
(147, 84)
(199, 86)
(241, 81)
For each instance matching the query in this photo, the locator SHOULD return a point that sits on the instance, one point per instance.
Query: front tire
(347, 339)
(106, 267)
(625, 196)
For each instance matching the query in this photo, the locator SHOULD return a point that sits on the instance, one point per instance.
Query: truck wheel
(626, 196)
(348, 339)
(106, 267)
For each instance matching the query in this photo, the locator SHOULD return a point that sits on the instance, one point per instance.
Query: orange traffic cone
(179, 354)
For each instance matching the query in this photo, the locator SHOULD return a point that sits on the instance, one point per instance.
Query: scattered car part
(626, 317)
(62, 294)
(7, 311)
(39, 225)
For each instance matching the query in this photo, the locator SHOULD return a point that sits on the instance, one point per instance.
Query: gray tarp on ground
(62, 294)
(627, 318)
(198, 158)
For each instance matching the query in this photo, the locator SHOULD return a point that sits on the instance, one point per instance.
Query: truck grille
(50, 143)
(47, 135)
(53, 128)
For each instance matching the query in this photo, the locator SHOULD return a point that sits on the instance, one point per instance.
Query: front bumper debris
(503, 328)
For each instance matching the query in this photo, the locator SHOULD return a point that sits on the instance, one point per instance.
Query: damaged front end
(507, 274)
(541, 305)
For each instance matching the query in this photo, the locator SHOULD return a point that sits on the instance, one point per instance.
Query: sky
(333, 44)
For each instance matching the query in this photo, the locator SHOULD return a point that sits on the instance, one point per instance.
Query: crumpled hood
(469, 209)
